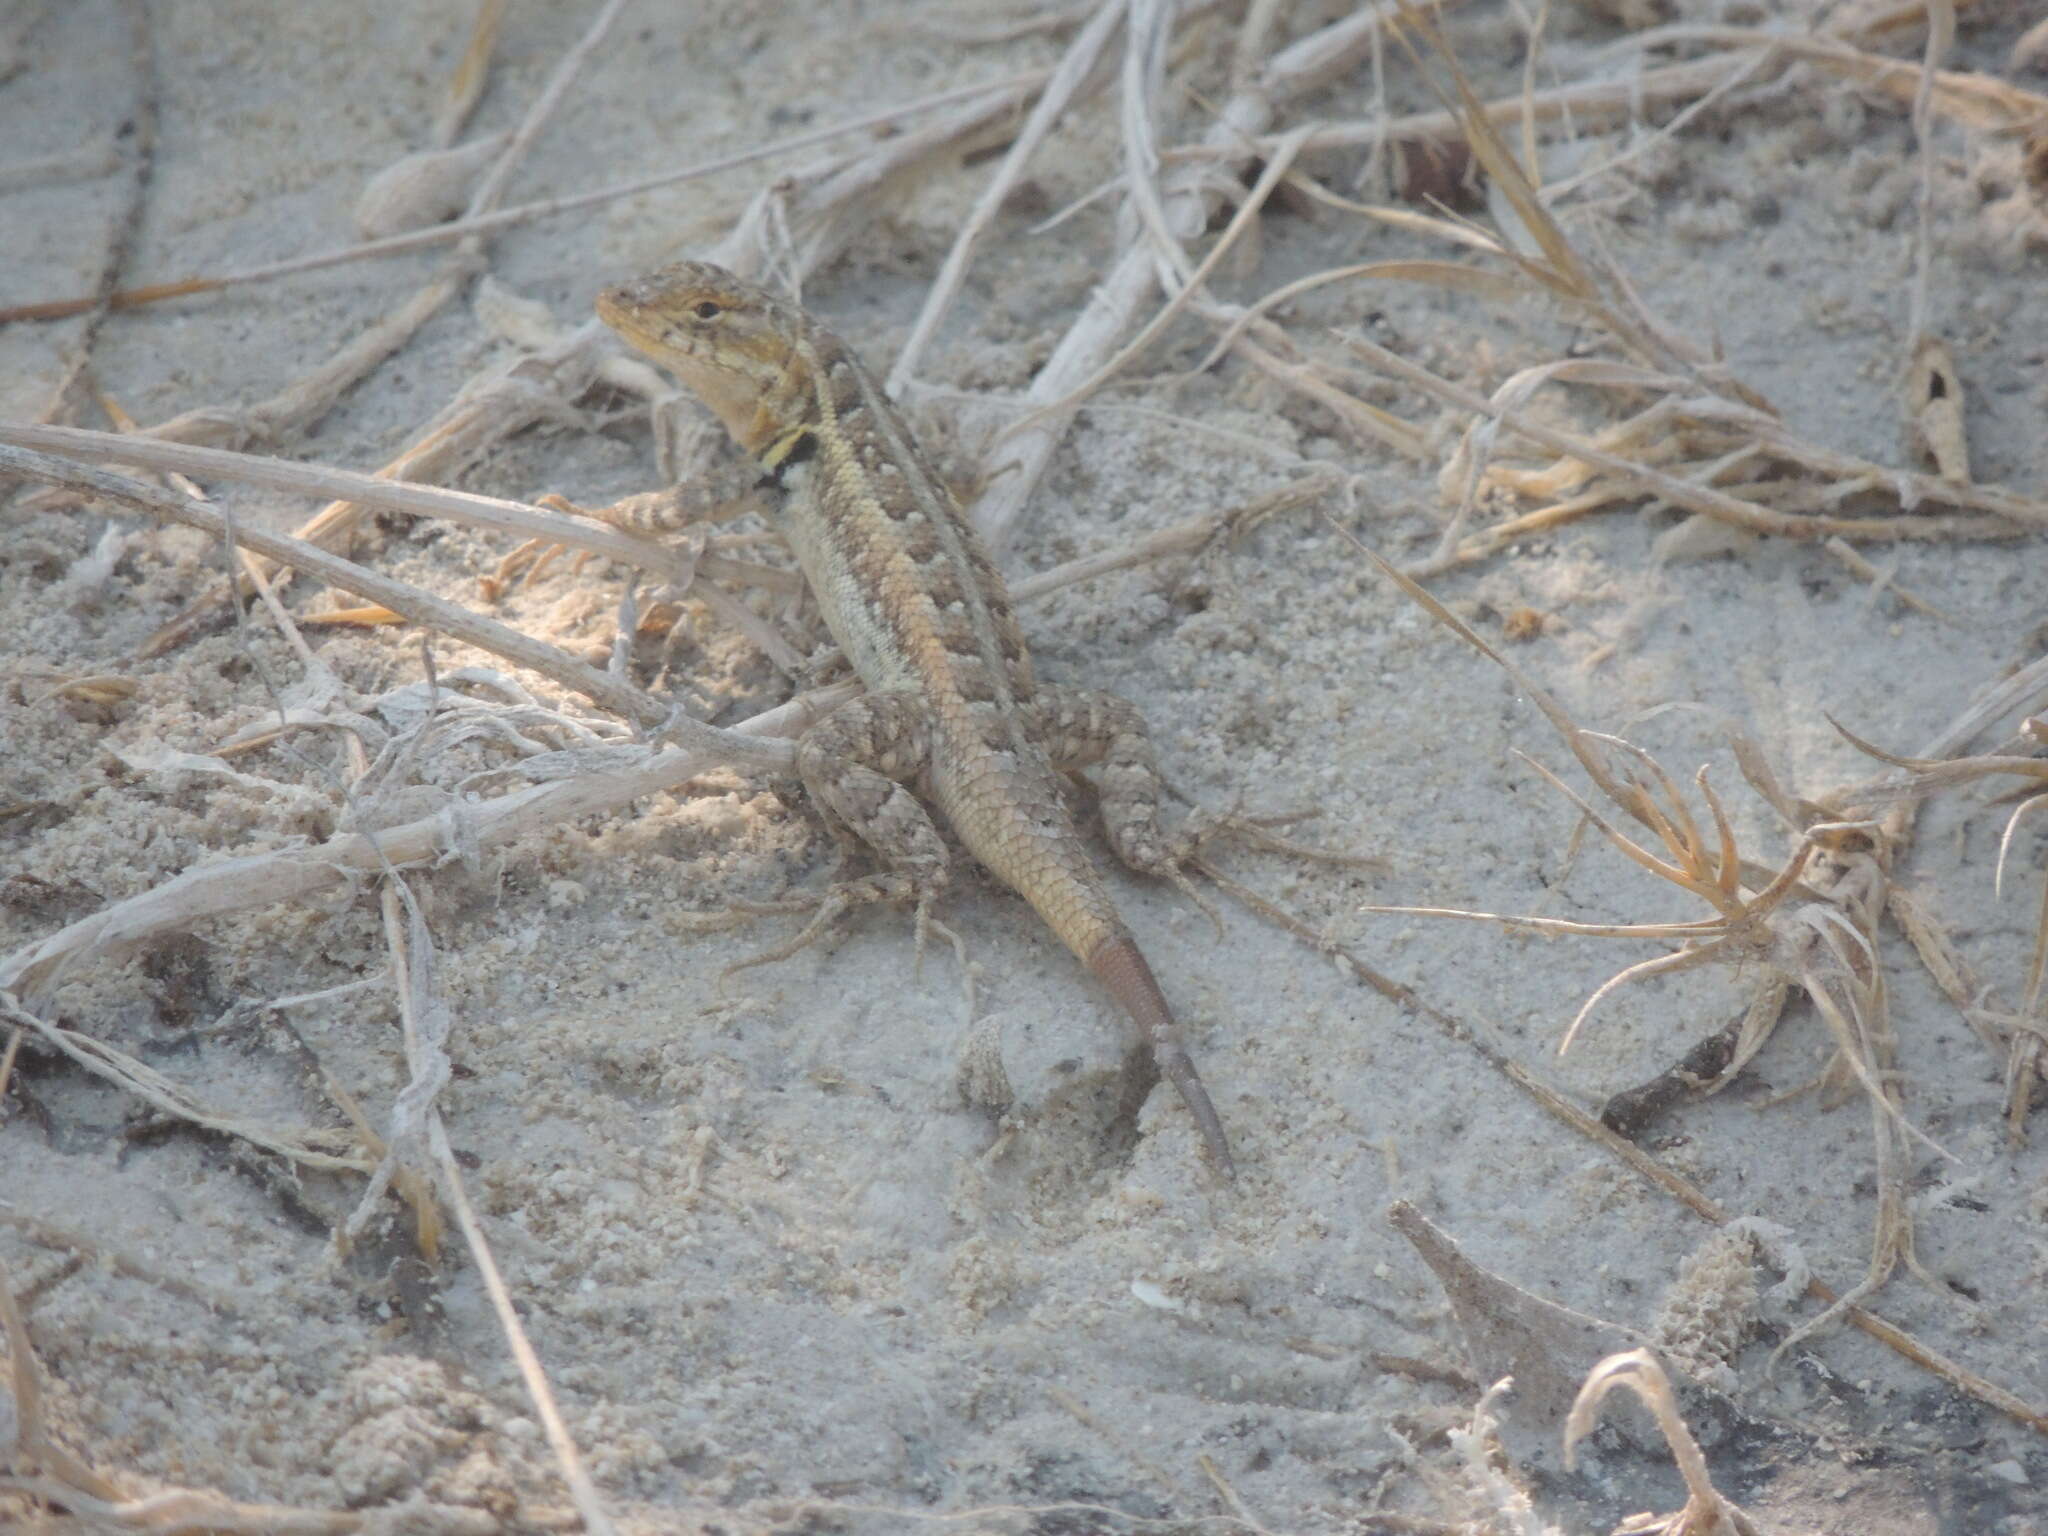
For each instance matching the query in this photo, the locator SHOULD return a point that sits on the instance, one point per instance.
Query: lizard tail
(1119, 966)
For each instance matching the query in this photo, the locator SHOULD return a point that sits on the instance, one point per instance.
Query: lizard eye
(708, 310)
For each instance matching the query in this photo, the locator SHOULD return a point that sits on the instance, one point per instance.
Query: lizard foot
(1205, 827)
(827, 907)
(526, 563)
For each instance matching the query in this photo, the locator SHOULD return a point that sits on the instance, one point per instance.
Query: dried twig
(507, 218)
(1707, 1511)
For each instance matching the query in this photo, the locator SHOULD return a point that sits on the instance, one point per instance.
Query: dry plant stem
(1881, 582)
(262, 880)
(1707, 1512)
(1368, 421)
(1765, 59)
(581, 1489)
(1188, 287)
(1014, 470)
(1184, 538)
(1556, 1103)
(1068, 83)
(1975, 100)
(314, 1149)
(491, 223)
(1584, 106)
(7, 1067)
(1175, 1494)
(535, 389)
(184, 1512)
(27, 1382)
(2015, 1037)
(1029, 22)
(424, 1016)
(492, 187)
(471, 510)
(423, 608)
(140, 131)
(1143, 75)
(313, 396)
(466, 85)
(350, 486)
(305, 400)
(2031, 51)
(1941, 31)
(48, 1234)
(1842, 957)
(2014, 516)
(1206, 1462)
(805, 218)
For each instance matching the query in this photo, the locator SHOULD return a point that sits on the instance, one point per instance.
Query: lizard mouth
(624, 307)
(639, 323)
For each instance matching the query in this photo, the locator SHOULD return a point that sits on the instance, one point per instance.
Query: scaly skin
(911, 594)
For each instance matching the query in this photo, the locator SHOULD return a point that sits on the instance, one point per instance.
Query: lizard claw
(534, 556)
(827, 908)
(1172, 870)
(1204, 827)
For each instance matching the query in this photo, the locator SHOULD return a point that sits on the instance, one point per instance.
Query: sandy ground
(784, 1261)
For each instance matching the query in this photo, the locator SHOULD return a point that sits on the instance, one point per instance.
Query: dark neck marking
(792, 448)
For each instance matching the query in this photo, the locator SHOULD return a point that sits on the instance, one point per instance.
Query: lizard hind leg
(1087, 728)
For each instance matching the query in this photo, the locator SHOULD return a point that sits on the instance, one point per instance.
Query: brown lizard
(912, 596)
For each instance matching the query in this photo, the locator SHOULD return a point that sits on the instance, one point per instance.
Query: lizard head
(728, 340)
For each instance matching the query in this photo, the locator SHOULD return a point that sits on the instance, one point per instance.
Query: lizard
(912, 596)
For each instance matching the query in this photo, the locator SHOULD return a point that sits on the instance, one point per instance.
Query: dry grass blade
(613, 693)
(466, 85)
(1711, 870)
(507, 218)
(2025, 1040)
(1826, 945)
(1560, 270)
(1066, 85)
(1188, 192)
(1567, 1111)
(1974, 99)
(2007, 514)
(418, 1131)
(1437, 274)
(1707, 1512)
(1190, 287)
(329, 1149)
(26, 1379)
(1708, 444)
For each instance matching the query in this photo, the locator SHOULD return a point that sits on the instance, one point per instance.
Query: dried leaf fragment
(371, 614)
(430, 187)
(1707, 1512)
(1934, 410)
